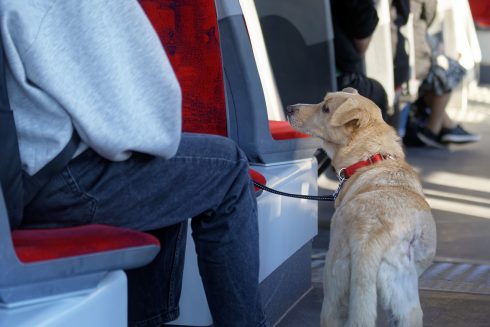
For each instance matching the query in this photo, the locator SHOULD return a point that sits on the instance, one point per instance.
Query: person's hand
(362, 45)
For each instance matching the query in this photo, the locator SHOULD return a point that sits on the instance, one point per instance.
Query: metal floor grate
(456, 277)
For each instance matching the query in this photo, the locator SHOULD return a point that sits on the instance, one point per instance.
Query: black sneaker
(429, 138)
(457, 135)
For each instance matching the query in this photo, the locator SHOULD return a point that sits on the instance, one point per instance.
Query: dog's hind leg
(398, 286)
(335, 288)
(366, 255)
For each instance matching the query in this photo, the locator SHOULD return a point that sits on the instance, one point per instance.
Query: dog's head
(337, 119)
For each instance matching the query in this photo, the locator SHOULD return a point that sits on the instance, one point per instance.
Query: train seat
(62, 276)
(481, 13)
(211, 54)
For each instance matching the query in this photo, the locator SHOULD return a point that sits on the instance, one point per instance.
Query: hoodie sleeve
(102, 63)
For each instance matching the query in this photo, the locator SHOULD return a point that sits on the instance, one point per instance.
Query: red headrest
(188, 30)
(481, 12)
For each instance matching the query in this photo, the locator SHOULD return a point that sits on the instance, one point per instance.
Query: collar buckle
(342, 179)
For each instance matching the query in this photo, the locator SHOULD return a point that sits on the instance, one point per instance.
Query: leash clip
(342, 180)
(341, 175)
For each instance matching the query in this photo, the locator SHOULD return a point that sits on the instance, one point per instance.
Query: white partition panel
(379, 55)
(455, 22)
(103, 306)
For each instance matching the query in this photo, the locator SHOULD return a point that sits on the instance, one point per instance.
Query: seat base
(106, 305)
(282, 289)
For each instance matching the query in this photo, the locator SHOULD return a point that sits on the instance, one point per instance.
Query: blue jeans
(207, 180)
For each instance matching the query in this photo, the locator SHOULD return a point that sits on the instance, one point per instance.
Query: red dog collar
(351, 170)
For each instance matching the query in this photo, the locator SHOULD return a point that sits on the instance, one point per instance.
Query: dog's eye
(325, 109)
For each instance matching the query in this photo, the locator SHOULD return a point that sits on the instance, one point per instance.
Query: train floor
(455, 290)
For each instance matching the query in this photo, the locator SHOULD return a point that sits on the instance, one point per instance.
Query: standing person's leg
(438, 117)
(207, 179)
(428, 133)
(440, 128)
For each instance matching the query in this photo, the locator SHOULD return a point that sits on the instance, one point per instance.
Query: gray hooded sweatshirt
(93, 65)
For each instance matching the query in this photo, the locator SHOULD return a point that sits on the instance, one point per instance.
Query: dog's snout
(290, 109)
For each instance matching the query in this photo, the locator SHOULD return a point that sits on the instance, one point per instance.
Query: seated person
(439, 75)
(97, 68)
(354, 22)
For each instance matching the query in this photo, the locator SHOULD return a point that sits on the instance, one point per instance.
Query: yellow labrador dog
(383, 235)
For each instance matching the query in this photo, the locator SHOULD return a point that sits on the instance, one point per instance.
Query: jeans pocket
(60, 203)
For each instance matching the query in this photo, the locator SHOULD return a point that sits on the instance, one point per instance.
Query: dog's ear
(350, 90)
(349, 111)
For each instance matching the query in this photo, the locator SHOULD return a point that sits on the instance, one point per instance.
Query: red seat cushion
(480, 10)
(282, 130)
(257, 177)
(56, 243)
(190, 38)
(483, 22)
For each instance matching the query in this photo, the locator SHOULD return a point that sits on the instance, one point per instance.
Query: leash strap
(330, 198)
(344, 174)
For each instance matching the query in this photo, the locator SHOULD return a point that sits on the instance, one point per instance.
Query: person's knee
(239, 169)
(230, 162)
(232, 150)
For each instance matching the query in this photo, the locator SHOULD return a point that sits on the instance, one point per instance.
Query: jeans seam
(172, 287)
(211, 159)
(75, 187)
(264, 323)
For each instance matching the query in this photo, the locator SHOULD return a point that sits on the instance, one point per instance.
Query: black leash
(331, 197)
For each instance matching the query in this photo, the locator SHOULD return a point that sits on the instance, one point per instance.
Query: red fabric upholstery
(483, 22)
(188, 30)
(257, 177)
(282, 130)
(47, 244)
(480, 10)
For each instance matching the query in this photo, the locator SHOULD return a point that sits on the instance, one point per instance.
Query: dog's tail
(363, 290)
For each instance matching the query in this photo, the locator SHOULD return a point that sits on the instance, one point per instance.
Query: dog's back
(389, 238)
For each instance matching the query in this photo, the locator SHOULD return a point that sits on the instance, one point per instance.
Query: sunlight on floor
(472, 183)
(448, 201)
(475, 206)
(454, 196)
(475, 115)
(459, 207)
(477, 110)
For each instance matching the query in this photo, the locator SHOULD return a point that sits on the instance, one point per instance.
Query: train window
(293, 42)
